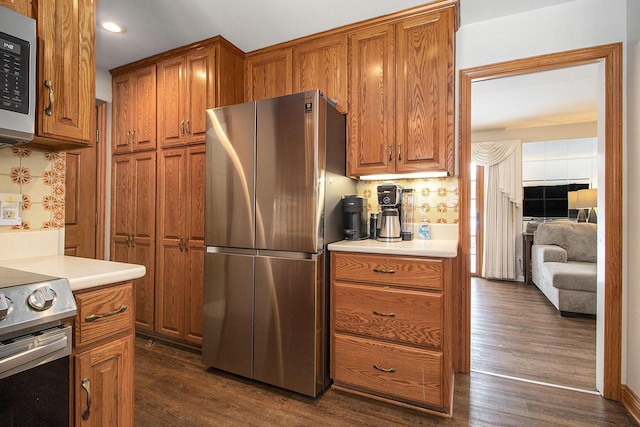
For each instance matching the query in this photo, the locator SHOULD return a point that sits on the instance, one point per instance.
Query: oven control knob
(42, 298)
(5, 307)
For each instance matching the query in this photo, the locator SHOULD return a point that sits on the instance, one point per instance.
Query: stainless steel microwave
(17, 77)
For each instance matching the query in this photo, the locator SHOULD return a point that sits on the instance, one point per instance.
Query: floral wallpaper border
(40, 178)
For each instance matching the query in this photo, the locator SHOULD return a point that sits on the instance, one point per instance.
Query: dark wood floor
(516, 331)
(173, 388)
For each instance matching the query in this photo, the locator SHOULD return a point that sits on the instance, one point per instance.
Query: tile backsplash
(436, 199)
(40, 178)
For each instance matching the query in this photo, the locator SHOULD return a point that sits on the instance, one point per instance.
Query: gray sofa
(563, 264)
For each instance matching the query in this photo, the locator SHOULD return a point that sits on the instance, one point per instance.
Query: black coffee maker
(354, 209)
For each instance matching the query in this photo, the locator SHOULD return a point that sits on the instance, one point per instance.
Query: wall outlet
(10, 209)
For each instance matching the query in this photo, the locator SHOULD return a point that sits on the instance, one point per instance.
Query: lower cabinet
(103, 357)
(391, 329)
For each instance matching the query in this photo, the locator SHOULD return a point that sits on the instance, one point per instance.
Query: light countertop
(429, 248)
(82, 273)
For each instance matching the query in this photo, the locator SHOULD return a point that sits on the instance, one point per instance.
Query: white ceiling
(155, 26)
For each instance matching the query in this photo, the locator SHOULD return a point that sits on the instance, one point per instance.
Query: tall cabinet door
(268, 75)
(371, 137)
(66, 67)
(172, 279)
(121, 208)
(200, 80)
(171, 98)
(143, 201)
(144, 120)
(123, 111)
(425, 87)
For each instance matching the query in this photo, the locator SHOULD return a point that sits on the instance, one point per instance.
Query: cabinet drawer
(412, 375)
(402, 271)
(103, 313)
(406, 316)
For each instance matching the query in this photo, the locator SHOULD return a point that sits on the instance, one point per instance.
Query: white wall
(631, 296)
(104, 93)
(567, 26)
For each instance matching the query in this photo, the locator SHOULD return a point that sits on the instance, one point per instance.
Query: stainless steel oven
(35, 345)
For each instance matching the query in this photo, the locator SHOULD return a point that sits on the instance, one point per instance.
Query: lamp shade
(572, 198)
(587, 198)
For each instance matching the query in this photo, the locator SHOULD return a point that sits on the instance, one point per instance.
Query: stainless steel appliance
(35, 345)
(355, 217)
(390, 200)
(17, 77)
(274, 180)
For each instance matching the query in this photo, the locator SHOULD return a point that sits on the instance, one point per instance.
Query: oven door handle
(41, 349)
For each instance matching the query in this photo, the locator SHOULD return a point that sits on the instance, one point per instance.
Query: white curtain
(503, 196)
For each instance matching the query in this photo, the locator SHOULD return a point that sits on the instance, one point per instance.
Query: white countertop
(82, 273)
(431, 248)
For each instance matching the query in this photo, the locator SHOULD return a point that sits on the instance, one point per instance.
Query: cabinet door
(144, 119)
(20, 6)
(196, 162)
(425, 93)
(66, 63)
(371, 138)
(123, 106)
(322, 64)
(143, 226)
(171, 117)
(104, 384)
(269, 75)
(171, 259)
(121, 208)
(200, 93)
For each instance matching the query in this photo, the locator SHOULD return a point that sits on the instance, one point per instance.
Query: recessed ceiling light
(112, 27)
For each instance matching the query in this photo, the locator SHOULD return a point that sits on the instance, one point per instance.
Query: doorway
(609, 296)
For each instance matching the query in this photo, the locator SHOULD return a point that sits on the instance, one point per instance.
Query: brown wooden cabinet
(134, 110)
(180, 259)
(391, 328)
(322, 64)
(401, 88)
(269, 74)
(103, 357)
(133, 224)
(65, 82)
(20, 6)
(185, 90)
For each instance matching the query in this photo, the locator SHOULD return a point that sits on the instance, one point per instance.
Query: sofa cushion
(577, 276)
(579, 239)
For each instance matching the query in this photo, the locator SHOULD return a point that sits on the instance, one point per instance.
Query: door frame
(611, 57)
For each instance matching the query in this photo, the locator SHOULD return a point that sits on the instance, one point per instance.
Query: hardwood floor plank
(516, 331)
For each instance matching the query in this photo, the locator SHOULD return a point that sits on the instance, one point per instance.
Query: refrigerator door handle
(288, 255)
(235, 251)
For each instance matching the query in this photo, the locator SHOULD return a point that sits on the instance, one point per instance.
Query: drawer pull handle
(383, 270)
(93, 317)
(390, 370)
(377, 313)
(86, 385)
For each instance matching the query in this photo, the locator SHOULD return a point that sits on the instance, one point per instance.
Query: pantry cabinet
(65, 82)
(133, 225)
(269, 74)
(401, 88)
(180, 260)
(321, 63)
(391, 328)
(103, 357)
(134, 111)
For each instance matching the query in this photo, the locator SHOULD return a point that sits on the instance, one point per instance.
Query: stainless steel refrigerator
(274, 182)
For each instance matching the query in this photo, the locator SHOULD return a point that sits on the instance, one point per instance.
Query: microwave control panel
(14, 74)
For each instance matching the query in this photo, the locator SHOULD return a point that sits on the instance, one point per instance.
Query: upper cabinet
(134, 110)
(20, 6)
(322, 64)
(268, 74)
(401, 89)
(65, 79)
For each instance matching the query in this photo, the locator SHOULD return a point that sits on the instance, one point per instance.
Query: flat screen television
(548, 201)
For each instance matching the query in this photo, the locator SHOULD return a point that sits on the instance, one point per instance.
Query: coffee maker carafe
(389, 199)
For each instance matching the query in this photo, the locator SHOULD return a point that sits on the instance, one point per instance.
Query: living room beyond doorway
(517, 333)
